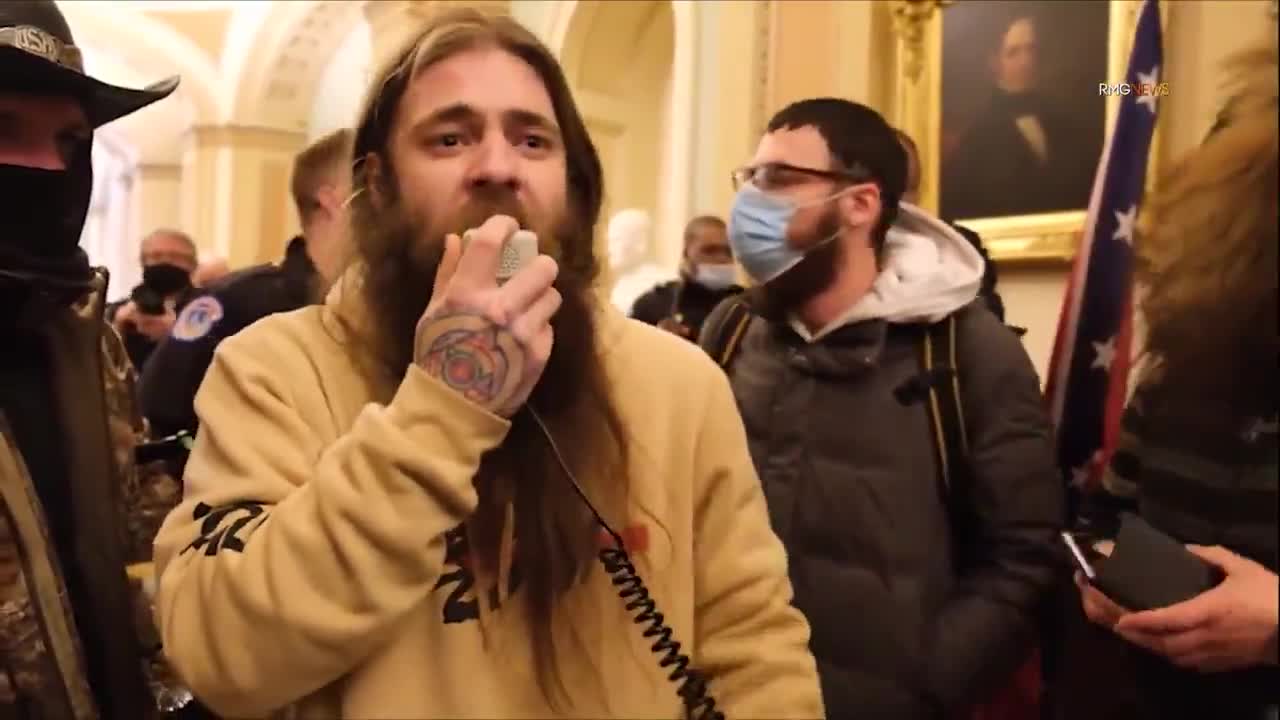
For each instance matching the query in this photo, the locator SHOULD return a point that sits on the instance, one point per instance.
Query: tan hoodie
(316, 562)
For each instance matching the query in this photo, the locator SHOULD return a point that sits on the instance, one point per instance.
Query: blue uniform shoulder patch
(197, 318)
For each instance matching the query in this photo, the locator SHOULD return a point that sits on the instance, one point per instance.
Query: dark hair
(908, 143)
(859, 140)
(464, 29)
(996, 29)
(317, 165)
(556, 534)
(913, 158)
(702, 220)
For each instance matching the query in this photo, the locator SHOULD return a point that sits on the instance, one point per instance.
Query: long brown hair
(556, 534)
(1207, 258)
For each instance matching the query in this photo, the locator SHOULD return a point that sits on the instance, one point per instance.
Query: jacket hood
(930, 271)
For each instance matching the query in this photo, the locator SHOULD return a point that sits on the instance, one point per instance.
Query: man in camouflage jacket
(76, 642)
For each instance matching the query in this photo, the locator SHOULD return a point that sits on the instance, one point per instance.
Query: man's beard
(556, 537)
(816, 272)
(401, 251)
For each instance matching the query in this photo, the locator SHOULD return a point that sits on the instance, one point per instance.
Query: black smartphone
(1148, 569)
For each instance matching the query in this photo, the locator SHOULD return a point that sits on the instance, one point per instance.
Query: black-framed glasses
(774, 175)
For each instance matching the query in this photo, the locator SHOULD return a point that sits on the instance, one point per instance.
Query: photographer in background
(168, 260)
(320, 185)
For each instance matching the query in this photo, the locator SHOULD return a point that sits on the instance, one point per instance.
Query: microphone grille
(519, 250)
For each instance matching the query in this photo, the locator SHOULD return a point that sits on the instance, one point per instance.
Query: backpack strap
(722, 338)
(946, 413)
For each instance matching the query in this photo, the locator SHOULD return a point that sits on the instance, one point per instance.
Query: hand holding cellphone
(1078, 556)
(1147, 569)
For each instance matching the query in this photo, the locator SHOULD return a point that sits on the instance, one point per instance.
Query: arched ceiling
(133, 50)
(271, 70)
(605, 38)
(275, 56)
(242, 62)
(153, 134)
(147, 45)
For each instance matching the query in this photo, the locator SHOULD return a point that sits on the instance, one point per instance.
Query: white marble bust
(630, 234)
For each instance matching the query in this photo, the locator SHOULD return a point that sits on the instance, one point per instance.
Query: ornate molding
(425, 9)
(909, 20)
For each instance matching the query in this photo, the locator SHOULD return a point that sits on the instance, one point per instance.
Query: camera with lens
(147, 300)
(158, 283)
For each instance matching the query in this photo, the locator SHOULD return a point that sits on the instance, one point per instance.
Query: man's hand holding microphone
(488, 341)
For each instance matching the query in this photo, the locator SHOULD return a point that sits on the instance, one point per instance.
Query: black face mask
(42, 213)
(166, 279)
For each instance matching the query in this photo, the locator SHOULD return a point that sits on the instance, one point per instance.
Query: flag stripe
(1063, 352)
(1089, 369)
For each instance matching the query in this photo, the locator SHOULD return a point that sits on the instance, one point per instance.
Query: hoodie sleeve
(1016, 501)
(292, 557)
(751, 642)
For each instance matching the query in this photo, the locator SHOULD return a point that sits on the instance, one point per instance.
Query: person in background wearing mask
(69, 644)
(707, 276)
(391, 506)
(168, 261)
(919, 568)
(320, 186)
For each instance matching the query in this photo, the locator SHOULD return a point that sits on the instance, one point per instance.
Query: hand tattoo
(467, 353)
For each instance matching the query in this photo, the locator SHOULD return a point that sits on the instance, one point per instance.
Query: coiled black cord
(698, 703)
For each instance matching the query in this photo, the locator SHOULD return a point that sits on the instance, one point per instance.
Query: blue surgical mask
(758, 232)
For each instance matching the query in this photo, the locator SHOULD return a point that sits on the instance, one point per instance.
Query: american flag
(1089, 370)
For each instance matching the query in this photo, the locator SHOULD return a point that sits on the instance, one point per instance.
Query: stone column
(156, 198)
(733, 55)
(820, 48)
(236, 191)
(199, 211)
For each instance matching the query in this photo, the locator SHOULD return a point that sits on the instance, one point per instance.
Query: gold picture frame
(1046, 238)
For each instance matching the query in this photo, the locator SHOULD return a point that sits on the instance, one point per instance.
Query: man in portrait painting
(1022, 153)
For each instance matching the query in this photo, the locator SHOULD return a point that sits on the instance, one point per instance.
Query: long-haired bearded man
(380, 516)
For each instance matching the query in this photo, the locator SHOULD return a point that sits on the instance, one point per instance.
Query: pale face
(167, 249)
(1015, 65)
(823, 204)
(629, 234)
(802, 147)
(40, 132)
(476, 124)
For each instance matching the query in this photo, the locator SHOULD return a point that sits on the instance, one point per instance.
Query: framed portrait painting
(1003, 100)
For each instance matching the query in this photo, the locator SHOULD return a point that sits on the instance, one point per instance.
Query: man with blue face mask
(895, 423)
(707, 277)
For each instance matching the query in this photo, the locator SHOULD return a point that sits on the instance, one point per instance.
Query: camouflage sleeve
(145, 496)
(148, 492)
